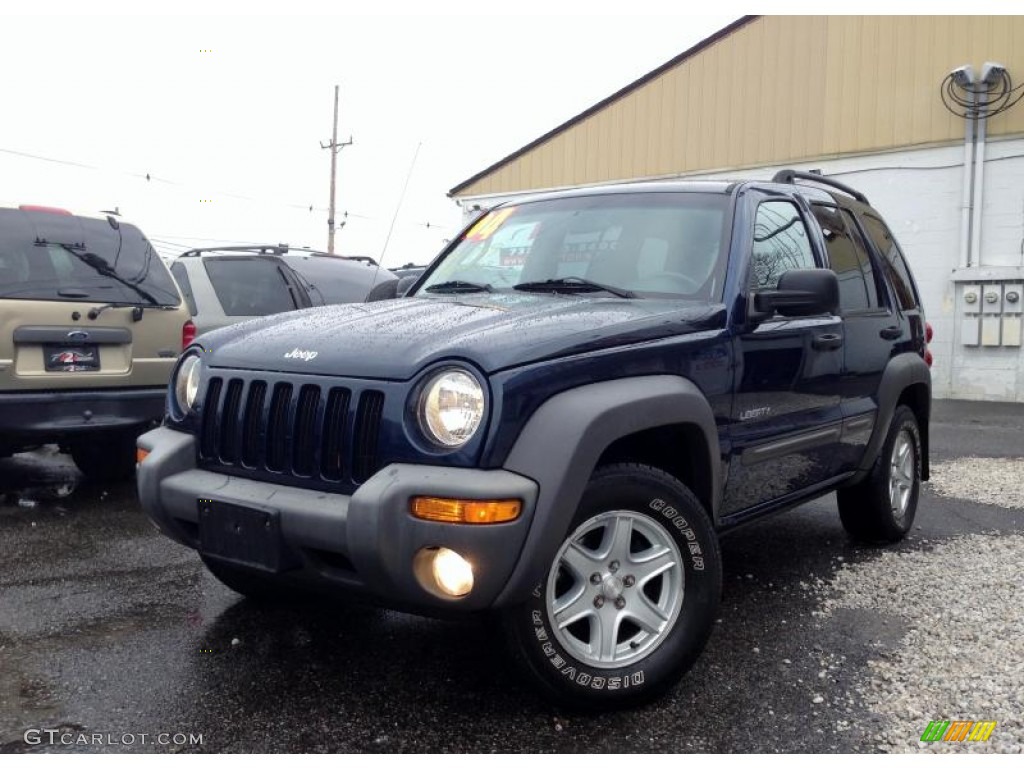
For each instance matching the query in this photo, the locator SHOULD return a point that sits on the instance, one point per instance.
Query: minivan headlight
(451, 407)
(186, 383)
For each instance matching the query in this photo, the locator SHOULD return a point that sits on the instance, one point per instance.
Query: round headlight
(186, 384)
(451, 408)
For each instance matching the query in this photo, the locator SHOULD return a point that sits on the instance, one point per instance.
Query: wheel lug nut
(629, 581)
(595, 578)
(620, 602)
(598, 601)
(613, 566)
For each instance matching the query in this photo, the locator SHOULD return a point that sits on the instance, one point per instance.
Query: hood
(396, 339)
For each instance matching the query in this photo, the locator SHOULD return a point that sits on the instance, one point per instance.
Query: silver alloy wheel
(902, 474)
(615, 589)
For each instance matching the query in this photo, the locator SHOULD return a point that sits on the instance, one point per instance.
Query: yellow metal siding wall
(781, 88)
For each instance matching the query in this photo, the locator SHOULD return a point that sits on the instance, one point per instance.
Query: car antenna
(398, 207)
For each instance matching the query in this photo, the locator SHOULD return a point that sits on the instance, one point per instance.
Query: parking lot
(108, 628)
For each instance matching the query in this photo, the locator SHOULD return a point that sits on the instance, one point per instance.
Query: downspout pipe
(967, 203)
(978, 188)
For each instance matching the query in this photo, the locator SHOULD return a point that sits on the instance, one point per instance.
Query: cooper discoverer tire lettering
(630, 598)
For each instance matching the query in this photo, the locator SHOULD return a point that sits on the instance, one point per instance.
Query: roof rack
(275, 250)
(272, 250)
(790, 176)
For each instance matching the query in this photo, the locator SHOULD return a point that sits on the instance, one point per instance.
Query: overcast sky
(226, 114)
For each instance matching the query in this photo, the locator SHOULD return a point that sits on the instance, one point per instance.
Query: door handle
(891, 332)
(827, 341)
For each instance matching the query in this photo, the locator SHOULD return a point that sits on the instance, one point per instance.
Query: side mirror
(405, 283)
(800, 293)
(391, 289)
(383, 291)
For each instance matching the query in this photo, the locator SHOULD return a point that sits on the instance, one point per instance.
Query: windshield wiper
(573, 283)
(308, 286)
(100, 265)
(458, 286)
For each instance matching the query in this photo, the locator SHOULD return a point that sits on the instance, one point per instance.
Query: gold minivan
(91, 323)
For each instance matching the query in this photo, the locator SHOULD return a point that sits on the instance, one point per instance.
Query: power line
(160, 180)
(48, 159)
(150, 178)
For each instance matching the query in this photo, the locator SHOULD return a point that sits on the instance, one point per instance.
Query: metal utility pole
(335, 147)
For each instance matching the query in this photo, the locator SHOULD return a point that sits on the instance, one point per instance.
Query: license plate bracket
(242, 535)
(71, 358)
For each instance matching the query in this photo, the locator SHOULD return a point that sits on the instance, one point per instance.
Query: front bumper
(49, 416)
(363, 543)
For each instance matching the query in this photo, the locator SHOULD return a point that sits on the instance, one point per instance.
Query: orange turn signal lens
(465, 510)
(140, 455)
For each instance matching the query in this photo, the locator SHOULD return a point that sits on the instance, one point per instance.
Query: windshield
(655, 244)
(59, 257)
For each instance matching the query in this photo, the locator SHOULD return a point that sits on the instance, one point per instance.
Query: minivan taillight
(188, 333)
(44, 209)
(928, 333)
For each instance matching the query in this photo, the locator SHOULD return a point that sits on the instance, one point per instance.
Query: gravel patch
(962, 657)
(984, 481)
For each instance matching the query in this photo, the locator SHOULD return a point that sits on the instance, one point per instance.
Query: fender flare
(902, 371)
(560, 445)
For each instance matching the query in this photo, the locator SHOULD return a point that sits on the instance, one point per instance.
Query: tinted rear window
(59, 257)
(848, 258)
(249, 286)
(893, 261)
(335, 280)
(181, 275)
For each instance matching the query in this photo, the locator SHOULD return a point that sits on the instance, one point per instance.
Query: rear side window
(181, 275)
(848, 257)
(893, 261)
(780, 244)
(60, 257)
(335, 280)
(249, 286)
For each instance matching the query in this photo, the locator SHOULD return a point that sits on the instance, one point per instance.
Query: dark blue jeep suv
(560, 417)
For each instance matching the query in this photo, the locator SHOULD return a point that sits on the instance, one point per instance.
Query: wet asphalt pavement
(107, 628)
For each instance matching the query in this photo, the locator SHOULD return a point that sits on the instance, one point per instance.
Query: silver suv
(227, 285)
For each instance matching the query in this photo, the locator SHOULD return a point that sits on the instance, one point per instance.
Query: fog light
(452, 572)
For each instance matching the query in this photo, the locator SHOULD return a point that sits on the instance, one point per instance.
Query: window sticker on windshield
(514, 256)
(488, 224)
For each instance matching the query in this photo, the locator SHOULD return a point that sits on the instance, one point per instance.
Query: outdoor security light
(992, 73)
(963, 76)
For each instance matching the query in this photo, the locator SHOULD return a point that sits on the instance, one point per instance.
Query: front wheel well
(679, 449)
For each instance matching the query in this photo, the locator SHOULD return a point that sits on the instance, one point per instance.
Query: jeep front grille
(260, 428)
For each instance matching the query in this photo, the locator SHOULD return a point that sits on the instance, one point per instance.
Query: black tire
(656, 503)
(247, 581)
(106, 458)
(867, 509)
